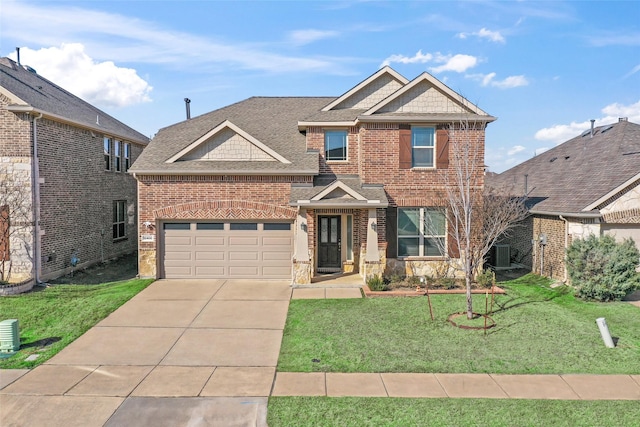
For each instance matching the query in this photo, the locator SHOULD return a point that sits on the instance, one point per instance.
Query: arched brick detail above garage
(225, 209)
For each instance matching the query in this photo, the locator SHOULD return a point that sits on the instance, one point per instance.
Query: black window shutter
(392, 232)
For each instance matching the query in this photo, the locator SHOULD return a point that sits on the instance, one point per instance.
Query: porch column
(301, 253)
(373, 254)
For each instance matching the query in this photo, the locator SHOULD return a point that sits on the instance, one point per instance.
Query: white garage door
(227, 250)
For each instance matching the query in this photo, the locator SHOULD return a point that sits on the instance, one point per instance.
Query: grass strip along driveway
(51, 318)
(538, 330)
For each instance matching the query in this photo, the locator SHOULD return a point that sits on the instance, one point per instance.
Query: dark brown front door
(329, 258)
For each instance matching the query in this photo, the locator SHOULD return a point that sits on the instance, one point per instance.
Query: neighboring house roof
(580, 174)
(267, 125)
(30, 92)
(341, 191)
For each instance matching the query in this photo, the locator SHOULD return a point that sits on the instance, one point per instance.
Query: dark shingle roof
(575, 174)
(272, 121)
(322, 182)
(48, 97)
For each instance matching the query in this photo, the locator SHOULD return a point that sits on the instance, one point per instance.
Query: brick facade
(76, 193)
(548, 260)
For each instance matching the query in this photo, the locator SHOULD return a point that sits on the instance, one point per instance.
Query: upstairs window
(127, 156)
(117, 155)
(107, 154)
(421, 232)
(335, 145)
(119, 219)
(422, 147)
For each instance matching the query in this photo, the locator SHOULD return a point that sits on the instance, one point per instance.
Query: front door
(329, 259)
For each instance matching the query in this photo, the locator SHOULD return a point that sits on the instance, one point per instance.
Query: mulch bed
(418, 293)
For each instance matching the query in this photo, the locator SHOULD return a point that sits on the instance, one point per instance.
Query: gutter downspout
(37, 259)
(566, 246)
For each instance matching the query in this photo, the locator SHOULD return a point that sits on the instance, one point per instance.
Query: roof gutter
(426, 118)
(567, 214)
(364, 205)
(32, 110)
(137, 173)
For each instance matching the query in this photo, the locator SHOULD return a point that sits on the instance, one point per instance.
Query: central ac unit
(502, 257)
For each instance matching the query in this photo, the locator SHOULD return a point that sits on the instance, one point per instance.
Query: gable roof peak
(385, 71)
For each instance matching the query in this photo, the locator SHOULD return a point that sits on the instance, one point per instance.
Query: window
(335, 145)
(107, 154)
(117, 154)
(119, 222)
(210, 226)
(349, 238)
(127, 156)
(177, 226)
(422, 147)
(421, 232)
(276, 226)
(243, 226)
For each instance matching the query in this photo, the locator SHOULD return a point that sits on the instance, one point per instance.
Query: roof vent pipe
(187, 103)
(592, 124)
(18, 54)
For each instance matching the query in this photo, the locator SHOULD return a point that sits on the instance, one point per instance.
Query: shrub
(485, 278)
(377, 283)
(602, 269)
(449, 283)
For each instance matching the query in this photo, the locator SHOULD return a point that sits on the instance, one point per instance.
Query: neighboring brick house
(71, 161)
(287, 188)
(587, 185)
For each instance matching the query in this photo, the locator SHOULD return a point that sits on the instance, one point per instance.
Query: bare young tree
(15, 220)
(476, 217)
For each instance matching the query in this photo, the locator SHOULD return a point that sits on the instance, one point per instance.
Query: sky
(543, 68)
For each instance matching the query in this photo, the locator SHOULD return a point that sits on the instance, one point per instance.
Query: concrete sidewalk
(204, 352)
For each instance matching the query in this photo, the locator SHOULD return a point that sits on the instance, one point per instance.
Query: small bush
(485, 278)
(602, 269)
(377, 283)
(415, 281)
(449, 283)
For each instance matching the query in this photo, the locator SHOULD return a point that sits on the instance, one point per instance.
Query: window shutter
(442, 145)
(452, 245)
(405, 149)
(392, 232)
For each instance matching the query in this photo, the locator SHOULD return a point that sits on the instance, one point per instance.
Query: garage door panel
(173, 256)
(243, 271)
(210, 256)
(209, 271)
(210, 240)
(246, 241)
(274, 271)
(178, 240)
(178, 271)
(277, 256)
(244, 256)
(275, 241)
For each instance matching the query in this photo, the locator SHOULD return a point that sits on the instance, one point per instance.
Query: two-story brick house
(70, 161)
(287, 188)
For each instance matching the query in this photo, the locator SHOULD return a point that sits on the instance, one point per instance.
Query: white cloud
(612, 112)
(507, 83)
(418, 58)
(633, 71)
(458, 63)
(101, 83)
(515, 150)
(493, 36)
(303, 37)
(108, 35)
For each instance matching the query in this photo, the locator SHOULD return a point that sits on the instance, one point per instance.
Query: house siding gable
(371, 94)
(423, 98)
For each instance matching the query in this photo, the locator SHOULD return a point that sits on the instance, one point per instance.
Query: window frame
(119, 224)
(345, 149)
(117, 154)
(415, 130)
(107, 149)
(126, 155)
(422, 233)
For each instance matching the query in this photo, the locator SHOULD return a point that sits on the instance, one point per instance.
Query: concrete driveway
(180, 353)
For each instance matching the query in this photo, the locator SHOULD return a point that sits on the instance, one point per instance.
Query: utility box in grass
(9, 336)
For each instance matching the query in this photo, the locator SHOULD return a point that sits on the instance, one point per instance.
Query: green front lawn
(378, 412)
(539, 331)
(51, 318)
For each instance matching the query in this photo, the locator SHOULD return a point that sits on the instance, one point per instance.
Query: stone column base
(302, 273)
(147, 263)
